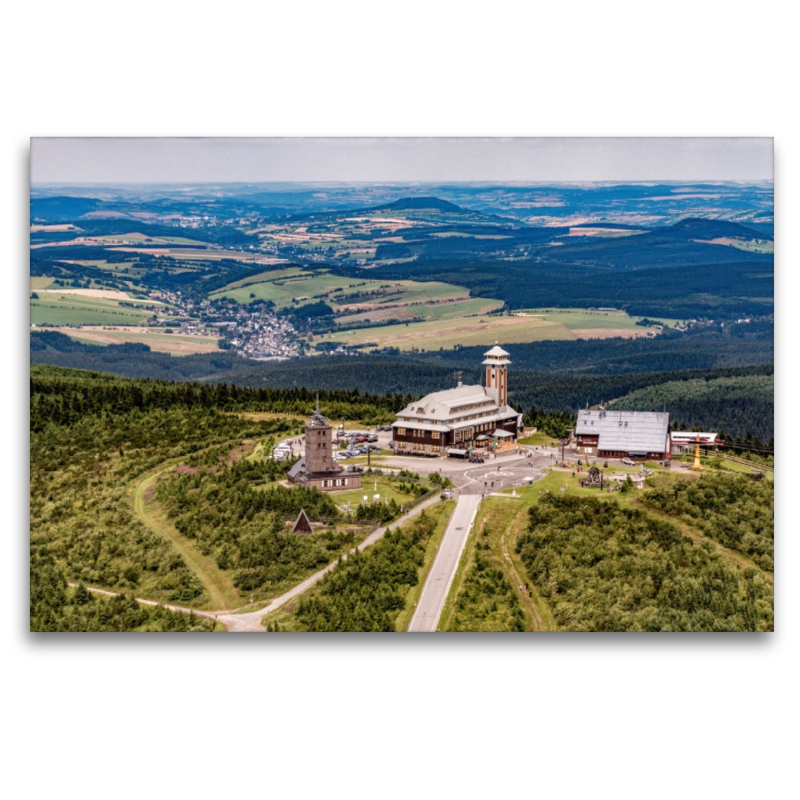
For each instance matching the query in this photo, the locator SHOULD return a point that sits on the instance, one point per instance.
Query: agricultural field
(468, 322)
(361, 297)
(57, 309)
(757, 246)
(158, 341)
(105, 241)
(445, 309)
(39, 282)
(210, 254)
(581, 319)
(286, 285)
(448, 333)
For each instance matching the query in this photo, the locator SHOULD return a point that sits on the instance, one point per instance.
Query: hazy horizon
(203, 161)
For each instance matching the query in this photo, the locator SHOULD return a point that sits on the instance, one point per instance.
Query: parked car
(629, 462)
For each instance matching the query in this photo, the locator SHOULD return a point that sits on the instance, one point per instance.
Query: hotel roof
(627, 431)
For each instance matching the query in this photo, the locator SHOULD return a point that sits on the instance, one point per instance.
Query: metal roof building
(636, 434)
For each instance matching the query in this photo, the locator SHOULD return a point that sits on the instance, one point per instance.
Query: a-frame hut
(303, 523)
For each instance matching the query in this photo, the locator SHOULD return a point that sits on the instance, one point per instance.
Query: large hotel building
(461, 418)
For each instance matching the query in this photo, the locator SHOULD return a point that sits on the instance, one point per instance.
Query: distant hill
(58, 209)
(417, 203)
(695, 228)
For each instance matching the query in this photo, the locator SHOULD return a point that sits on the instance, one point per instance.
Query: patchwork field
(430, 311)
(57, 309)
(202, 255)
(445, 329)
(176, 344)
(448, 333)
(284, 286)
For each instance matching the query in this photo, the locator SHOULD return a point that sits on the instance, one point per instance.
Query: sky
(250, 160)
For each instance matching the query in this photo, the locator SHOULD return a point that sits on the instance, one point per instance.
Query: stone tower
(319, 446)
(496, 363)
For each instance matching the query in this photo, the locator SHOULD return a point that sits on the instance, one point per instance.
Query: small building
(684, 441)
(317, 467)
(458, 419)
(638, 435)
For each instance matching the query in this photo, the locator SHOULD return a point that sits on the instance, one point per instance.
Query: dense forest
(368, 590)
(487, 601)
(79, 509)
(232, 515)
(708, 350)
(604, 567)
(63, 396)
(742, 405)
(735, 511)
(57, 607)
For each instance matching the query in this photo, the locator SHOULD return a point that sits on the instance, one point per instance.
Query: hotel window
(401, 431)
(435, 435)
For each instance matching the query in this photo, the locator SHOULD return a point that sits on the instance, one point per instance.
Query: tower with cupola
(497, 362)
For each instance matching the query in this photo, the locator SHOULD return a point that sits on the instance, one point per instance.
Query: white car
(628, 462)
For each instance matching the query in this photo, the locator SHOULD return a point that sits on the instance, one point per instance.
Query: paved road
(434, 593)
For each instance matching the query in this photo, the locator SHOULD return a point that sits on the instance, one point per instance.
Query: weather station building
(638, 435)
(457, 420)
(317, 467)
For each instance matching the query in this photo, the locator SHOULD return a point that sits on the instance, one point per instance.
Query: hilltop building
(317, 467)
(639, 435)
(458, 419)
(684, 441)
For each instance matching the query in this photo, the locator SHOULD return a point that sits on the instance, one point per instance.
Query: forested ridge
(386, 385)
(743, 404)
(65, 396)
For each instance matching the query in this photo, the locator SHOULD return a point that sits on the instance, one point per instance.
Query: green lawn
(385, 487)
